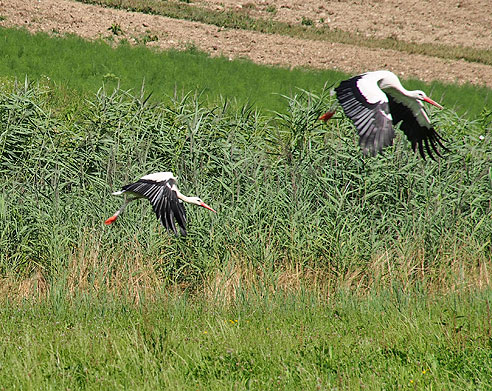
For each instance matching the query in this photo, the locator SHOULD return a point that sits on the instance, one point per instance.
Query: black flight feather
(165, 203)
(415, 132)
(372, 120)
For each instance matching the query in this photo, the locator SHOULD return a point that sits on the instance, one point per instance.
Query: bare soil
(451, 22)
(456, 22)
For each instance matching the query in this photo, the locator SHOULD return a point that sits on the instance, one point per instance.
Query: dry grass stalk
(129, 275)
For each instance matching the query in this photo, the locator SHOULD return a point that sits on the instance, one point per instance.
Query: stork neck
(392, 82)
(184, 198)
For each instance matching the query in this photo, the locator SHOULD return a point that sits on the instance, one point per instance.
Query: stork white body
(161, 190)
(375, 101)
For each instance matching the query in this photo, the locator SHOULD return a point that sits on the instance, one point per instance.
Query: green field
(389, 341)
(78, 67)
(323, 269)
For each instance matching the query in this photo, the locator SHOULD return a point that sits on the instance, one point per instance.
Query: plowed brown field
(452, 22)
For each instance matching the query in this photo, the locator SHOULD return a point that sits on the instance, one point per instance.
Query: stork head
(420, 95)
(199, 202)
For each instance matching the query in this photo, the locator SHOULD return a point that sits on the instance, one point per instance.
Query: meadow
(323, 268)
(291, 342)
(80, 68)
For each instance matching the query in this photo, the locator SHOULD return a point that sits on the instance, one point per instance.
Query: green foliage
(83, 66)
(288, 189)
(307, 22)
(80, 67)
(115, 29)
(148, 37)
(288, 343)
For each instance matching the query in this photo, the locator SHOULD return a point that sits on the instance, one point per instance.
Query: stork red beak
(429, 100)
(207, 207)
(326, 116)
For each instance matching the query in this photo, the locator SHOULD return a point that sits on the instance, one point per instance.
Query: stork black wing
(369, 112)
(415, 124)
(164, 200)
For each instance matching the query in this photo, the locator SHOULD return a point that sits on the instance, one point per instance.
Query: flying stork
(375, 101)
(167, 201)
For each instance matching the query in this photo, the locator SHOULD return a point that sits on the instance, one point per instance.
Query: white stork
(161, 190)
(375, 101)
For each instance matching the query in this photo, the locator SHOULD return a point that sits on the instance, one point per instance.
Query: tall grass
(78, 67)
(305, 226)
(291, 195)
(390, 341)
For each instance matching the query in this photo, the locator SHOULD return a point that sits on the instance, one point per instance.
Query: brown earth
(454, 22)
(451, 22)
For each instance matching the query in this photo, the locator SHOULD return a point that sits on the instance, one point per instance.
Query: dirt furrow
(91, 22)
(451, 22)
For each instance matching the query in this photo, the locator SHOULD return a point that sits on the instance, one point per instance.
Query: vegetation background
(322, 268)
